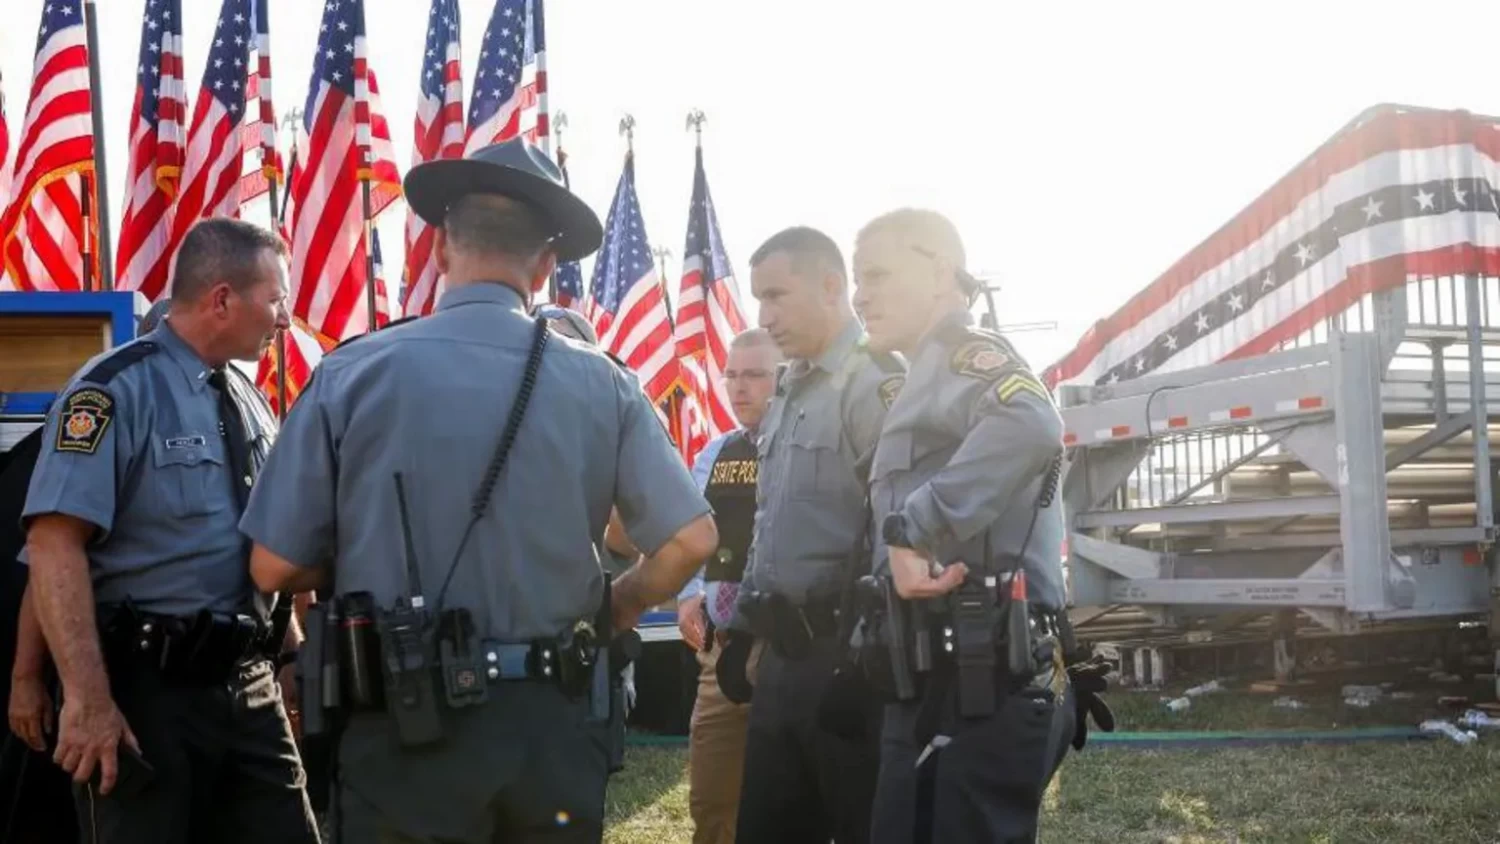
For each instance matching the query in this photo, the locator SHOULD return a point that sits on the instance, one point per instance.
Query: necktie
(724, 602)
(236, 442)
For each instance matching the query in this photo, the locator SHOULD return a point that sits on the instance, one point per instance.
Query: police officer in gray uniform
(964, 476)
(172, 722)
(802, 783)
(376, 487)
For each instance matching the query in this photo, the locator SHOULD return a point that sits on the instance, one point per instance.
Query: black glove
(730, 668)
(1089, 679)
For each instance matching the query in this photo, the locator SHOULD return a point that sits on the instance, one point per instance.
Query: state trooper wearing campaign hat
(395, 487)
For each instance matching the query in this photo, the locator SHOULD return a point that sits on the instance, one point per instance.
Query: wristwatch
(894, 530)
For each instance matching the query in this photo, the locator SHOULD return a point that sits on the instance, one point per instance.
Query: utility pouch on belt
(410, 684)
(974, 621)
(459, 654)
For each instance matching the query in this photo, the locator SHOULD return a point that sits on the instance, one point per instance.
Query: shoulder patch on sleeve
(982, 359)
(890, 388)
(1020, 382)
(105, 370)
(82, 420)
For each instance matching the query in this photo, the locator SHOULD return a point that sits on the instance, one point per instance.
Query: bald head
(908, 274)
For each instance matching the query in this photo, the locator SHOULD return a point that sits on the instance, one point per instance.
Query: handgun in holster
(319, 690)
(890, 633)
(616, 653)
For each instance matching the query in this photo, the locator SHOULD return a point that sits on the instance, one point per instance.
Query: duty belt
(791, 628)
(205, 648)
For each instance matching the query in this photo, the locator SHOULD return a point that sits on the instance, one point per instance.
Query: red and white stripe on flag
(438, 133)
(4, 159)
(260, 115)
(627, 304)
(156, 153)
(42, 236)
(708, 310)
(342, 120)
(1401, 194)
(510, 83)
(213, 176)
(304, 349)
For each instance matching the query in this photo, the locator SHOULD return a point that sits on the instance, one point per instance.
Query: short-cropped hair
(811, 251)
(221, 249)
(497, 226)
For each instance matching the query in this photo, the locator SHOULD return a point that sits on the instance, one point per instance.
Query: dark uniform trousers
(802, 783)
(226, 765)
(986, 785)
(528, 765)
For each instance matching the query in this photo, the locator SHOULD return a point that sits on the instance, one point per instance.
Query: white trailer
(1339, 476)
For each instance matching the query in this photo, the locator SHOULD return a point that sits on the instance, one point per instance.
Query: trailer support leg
(1284, 646)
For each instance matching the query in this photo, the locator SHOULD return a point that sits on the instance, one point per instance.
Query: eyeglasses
(747, 374)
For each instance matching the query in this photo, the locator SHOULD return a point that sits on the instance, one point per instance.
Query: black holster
(790, 629)
(202, 649)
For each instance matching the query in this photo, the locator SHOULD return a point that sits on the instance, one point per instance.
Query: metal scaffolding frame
(1339, 477)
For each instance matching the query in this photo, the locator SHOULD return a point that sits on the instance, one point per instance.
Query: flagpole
(101, 174)
(562, 164)
(364, 182)
(273, 200)
(85, 241)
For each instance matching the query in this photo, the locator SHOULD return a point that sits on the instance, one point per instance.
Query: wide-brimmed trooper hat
(516, 169)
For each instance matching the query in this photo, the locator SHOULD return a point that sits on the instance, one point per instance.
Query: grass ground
(1408, 791)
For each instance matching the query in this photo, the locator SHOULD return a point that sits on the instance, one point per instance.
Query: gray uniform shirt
(963, 455)
(815, 444)
(133, 446)
(429, 399)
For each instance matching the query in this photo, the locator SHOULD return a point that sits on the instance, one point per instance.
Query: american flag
(156, 153)
(4, 155)
(1399, 194)
(438, 133)
(570, 286)
(568, 280)
(41, 231)
(213, 174)
(259, 127)
(629, 310)
(510, 85)
(305, 347)
(708, 308)
(341, 121)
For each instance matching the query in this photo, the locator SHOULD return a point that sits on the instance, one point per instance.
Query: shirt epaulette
(119, 360)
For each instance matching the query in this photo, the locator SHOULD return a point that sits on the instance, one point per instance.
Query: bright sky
(1081, 148)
